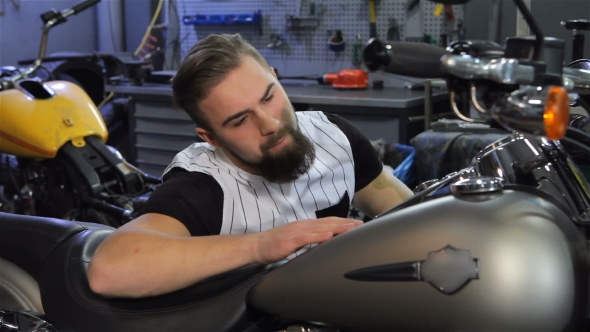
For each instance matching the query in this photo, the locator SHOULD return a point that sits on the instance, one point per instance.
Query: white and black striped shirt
(210, 195)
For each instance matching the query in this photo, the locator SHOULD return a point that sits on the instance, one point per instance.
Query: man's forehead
(248, 75)
(242, 87)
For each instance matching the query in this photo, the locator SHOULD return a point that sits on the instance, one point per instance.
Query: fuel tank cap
(477, 185)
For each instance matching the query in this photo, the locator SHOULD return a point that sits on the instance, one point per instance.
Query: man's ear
(275, 72)
(208, 136)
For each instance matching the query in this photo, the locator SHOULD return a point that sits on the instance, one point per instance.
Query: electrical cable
(583, 103)
(576, 143)
(104, 101)
(149, 28)
(579, 133)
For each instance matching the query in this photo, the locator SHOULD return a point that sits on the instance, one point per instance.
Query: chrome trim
(477, 185)
(502, 70)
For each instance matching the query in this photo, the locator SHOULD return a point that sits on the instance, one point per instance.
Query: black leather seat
(57, 253)
(27, 241)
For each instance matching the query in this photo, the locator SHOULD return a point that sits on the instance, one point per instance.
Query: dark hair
(204, 67)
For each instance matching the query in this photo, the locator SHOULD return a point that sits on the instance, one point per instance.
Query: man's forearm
(142, 262)
(382, 194)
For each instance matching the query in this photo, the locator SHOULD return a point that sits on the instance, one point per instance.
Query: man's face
(252, 120)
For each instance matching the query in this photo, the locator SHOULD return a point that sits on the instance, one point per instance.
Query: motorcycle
(54, 160)
(501, 245)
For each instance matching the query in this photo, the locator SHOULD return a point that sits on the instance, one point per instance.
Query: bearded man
(267, 183)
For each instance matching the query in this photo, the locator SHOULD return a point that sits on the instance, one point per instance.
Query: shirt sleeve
(193, 198)
(367, 165)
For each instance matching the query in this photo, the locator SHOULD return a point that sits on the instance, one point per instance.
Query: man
(268, 183)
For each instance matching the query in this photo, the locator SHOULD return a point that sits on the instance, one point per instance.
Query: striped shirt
(345, 163)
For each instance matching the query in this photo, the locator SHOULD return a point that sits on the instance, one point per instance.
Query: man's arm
(381, 194)
(155, 254)
(376, 190)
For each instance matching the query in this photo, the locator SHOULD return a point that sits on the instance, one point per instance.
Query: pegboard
(309, 46)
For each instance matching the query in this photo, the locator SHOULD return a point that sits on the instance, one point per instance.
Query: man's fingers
(345, 227)
(289, 238)
(336, 228)
(327, 221)
(321, 233)
(334, 220)
(310, 238)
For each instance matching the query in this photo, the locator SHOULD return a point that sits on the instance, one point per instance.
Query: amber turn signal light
(557, 113)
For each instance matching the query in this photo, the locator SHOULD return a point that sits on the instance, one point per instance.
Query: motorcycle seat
(216, 304)
(27, 241)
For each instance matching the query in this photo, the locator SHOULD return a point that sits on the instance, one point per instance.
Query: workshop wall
(304, 51)
(111, 25)
(548, 14)
(20, 30)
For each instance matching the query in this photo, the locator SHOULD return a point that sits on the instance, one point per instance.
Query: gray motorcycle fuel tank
(505, 260)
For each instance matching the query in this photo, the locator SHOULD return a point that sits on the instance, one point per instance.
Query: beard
(286, 165)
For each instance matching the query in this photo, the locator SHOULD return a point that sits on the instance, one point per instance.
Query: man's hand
(278, 243)
(121, 265)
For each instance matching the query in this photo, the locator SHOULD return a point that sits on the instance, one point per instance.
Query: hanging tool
(414, 22)
(357, 51)
(461, 31)
(344, 79)
(298, 8)
(393, 30)
(412, 4)
(453, 27)
(430, 39)
(449, 14)
(337, 43)
(275, 42)
(372, 19)
(438, 9)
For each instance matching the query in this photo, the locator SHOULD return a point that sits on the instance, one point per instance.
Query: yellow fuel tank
(36, 119)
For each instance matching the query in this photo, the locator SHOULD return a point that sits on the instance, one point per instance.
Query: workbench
(158, 131)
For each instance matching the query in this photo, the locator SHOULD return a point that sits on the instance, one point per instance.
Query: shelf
(225, 19)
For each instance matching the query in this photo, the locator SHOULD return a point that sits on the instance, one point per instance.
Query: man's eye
(269, 98)
(239, 123)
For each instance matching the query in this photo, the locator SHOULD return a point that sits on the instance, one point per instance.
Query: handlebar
(521, 90)
(509, 71)
(521, 86)
(580, 79)
(53, 17)
(50, 19)
(428, 61)
(505, 71)
(82, 6)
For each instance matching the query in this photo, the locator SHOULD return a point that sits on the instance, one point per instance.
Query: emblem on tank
(448, 269)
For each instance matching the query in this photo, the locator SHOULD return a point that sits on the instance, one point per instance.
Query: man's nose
(267, 123)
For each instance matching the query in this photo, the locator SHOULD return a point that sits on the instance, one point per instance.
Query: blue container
(405, 171)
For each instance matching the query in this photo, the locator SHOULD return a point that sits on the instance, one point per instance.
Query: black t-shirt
(196, 199)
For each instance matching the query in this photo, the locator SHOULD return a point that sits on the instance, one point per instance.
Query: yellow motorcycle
(54, 160)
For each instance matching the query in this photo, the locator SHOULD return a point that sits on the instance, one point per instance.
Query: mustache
(272, 141)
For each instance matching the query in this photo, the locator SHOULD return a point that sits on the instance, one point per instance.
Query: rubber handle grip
(83, 6)
(405, 58)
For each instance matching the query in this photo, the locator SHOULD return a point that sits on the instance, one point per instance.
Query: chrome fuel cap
(476, 185)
